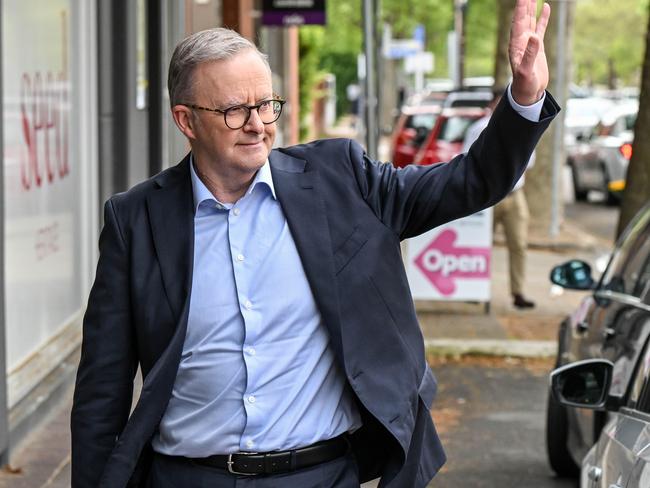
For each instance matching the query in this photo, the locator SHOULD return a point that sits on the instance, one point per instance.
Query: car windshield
(453, 129)
(626, 272)
(420, 120)
(586, 111)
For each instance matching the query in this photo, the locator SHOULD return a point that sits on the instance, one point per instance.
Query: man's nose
(254, 123)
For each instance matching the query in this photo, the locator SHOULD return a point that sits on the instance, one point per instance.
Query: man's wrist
(529, 112)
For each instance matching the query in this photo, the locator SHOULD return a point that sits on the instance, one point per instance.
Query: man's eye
(265, 106)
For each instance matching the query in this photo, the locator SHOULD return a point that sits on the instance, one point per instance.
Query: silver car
(621, 456)
(602, 157)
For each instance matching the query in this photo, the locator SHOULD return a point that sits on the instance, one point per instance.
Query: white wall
(50, 166)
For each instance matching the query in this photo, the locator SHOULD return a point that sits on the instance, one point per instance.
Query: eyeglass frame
(248, 107)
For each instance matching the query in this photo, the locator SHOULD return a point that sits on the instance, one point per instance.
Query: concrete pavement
(450, 329)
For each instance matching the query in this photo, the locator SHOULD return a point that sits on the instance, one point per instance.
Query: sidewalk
(451, 329)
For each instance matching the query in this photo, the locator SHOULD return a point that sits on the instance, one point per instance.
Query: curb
(489, 347)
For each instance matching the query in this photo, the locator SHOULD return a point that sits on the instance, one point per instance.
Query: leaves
(609, 40)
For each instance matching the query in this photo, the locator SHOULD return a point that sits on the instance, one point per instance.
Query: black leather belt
(249, 463)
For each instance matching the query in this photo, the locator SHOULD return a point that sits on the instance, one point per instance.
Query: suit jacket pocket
(349, 249)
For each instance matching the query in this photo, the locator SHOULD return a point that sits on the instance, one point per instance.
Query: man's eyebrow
(235, 103)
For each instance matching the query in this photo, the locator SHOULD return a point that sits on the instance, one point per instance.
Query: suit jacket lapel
(297, 189)
(171, 215)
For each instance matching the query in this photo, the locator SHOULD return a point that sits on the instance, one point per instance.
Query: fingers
(542, 23)
(530, 54)
(532, 14)
(520, 18)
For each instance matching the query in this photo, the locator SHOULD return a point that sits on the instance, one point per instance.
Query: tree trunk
(539, 179)
(637, 186)
(502, 73)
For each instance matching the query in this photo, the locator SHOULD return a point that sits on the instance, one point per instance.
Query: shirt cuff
(528, 112)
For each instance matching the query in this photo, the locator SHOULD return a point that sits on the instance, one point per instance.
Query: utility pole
(370, 85)
(558, 134)
(460, 6)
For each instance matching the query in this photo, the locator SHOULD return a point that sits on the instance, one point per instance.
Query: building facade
(85, 114)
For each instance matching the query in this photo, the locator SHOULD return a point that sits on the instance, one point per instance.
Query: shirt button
(236, 211)
(251, 399)
(249, 443)
(251, 351)
(248, 305)
(240, 257)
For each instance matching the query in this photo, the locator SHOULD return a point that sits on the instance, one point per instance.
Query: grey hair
(208, 45)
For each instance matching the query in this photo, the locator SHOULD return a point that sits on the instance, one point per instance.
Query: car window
(453, 129)
(420, 120)
(469, 103)
(627, 269)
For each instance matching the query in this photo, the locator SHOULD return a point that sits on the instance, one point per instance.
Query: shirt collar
(201, 193)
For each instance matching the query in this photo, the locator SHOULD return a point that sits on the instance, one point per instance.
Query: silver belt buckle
(231, 463)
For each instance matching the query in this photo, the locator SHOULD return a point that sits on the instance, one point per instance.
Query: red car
(412, 127)
(446, 137)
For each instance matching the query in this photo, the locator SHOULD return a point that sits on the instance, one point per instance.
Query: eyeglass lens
(269, 111)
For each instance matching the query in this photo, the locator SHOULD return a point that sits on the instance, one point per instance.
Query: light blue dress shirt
(257, 371)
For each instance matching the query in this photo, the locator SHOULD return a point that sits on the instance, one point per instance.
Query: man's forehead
(233, 85)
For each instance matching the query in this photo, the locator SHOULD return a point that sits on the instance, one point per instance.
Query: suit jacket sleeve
(104, 385)
(415, 199)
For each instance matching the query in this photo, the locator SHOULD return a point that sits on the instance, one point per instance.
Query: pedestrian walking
(262, 292)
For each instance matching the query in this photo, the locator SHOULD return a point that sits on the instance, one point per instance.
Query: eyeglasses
(237, 117)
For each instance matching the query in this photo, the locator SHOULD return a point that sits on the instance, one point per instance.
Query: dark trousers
(172, 473)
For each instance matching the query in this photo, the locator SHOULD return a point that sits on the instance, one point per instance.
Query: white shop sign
(43, 187)
(453, 261)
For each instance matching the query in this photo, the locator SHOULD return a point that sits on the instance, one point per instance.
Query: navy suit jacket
(347, 215)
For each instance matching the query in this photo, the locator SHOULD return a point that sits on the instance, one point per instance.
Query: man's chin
(256, 155)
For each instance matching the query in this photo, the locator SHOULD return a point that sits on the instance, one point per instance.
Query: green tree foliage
(311, 42)
(609, 41)
(344, 66)
(480, 37)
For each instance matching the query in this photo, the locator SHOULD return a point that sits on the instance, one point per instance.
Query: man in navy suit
(262, 292)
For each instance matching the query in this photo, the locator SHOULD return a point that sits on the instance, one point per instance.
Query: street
(491, 416)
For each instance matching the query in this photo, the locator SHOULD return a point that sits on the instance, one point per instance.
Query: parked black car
(612, 323)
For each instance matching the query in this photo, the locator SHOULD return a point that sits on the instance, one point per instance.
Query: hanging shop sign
(293, 12)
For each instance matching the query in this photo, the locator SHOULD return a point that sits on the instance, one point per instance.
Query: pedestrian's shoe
(519, 301)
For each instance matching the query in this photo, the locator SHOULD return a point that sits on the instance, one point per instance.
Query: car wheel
(579, 194)
(557, 432)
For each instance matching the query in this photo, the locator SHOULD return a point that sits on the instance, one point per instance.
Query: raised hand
(526, 51)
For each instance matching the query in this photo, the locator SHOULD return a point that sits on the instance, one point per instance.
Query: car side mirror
(573, 275)
(583, 384)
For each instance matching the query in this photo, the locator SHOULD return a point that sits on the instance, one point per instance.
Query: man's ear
(184, 120)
